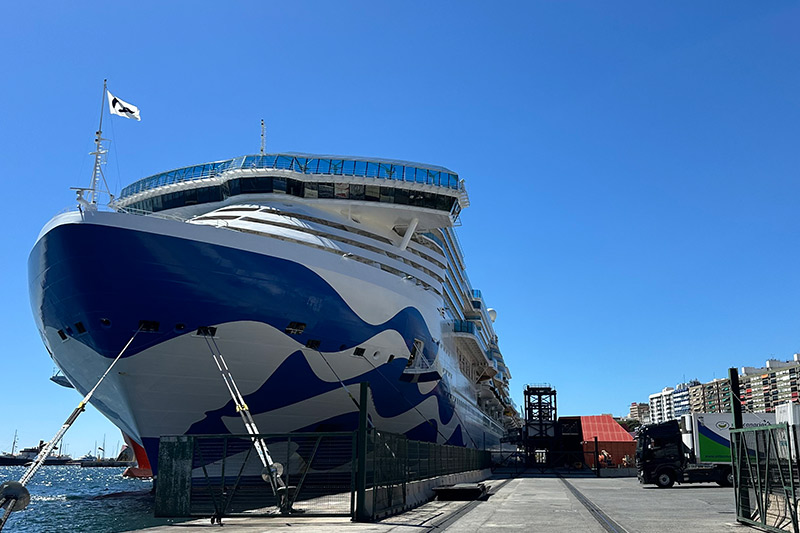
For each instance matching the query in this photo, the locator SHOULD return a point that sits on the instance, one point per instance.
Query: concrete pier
(527, 503)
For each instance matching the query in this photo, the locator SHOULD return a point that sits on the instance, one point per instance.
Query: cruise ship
(310, 273)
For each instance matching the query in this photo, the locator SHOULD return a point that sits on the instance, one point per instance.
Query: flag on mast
(121, 108)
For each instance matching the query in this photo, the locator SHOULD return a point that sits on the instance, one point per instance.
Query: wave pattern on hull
(192, 283)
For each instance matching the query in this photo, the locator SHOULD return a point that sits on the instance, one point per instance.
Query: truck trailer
(696, 449)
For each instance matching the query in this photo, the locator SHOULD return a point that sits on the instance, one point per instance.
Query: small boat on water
(124, 459)
(27, 455)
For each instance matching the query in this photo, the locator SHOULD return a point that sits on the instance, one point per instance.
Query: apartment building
(681, 401)
(640, 412)
(760, 391)
(661, 406)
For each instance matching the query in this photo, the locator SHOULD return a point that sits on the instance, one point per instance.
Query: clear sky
(632, 166)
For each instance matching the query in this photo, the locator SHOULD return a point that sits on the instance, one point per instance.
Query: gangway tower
(540, 437)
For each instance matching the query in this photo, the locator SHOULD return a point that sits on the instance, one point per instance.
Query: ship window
(358, 351)
(295, 328)
(190, 197)
(105, 322)
(311, 190)
(356, 191)
(179, 327)
(279, 185)
(148, 325)
(342, 190)
(313, 344)
(325, 190)
(295, 187)
(391, 358)
(80, 327)
(401, 196)
(62, 334)
(373, 193)
(207, 331)
(348, 168)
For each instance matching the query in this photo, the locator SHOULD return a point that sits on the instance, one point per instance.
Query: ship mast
(97, 169)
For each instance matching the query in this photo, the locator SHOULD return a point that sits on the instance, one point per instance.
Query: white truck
(697, 449)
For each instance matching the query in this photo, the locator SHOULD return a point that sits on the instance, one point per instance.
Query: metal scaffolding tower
(541, 434)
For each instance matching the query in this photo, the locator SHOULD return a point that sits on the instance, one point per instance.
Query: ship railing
(354, 167)
(144, 212)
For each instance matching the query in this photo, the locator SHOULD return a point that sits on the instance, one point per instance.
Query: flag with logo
(122, 108)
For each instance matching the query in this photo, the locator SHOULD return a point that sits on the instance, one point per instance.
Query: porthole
(105, 322)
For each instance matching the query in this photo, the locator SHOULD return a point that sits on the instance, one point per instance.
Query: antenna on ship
(263, 137)
(99, 160)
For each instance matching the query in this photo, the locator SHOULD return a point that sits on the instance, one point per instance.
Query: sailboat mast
(14, 444)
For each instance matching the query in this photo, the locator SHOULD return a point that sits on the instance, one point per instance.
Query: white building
(661, 406)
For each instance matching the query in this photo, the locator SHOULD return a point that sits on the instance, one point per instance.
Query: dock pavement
(531, 503)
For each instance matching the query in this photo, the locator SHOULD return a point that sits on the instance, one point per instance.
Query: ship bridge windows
(305, 164)
(292, 187)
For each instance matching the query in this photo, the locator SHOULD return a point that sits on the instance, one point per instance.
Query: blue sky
(632, 167)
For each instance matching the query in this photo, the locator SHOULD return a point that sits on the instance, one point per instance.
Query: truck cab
(663, 459)
(659, 453)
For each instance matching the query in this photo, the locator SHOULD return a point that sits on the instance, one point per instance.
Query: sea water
(71, 498)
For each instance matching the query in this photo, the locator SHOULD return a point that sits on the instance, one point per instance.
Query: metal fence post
(596, 457)
(361, 457)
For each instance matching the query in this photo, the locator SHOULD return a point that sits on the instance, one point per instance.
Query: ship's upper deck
(311, 164)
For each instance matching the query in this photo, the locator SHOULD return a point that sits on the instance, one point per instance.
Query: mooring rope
(15, 491)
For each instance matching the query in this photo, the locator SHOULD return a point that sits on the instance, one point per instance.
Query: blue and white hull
(96, 277)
